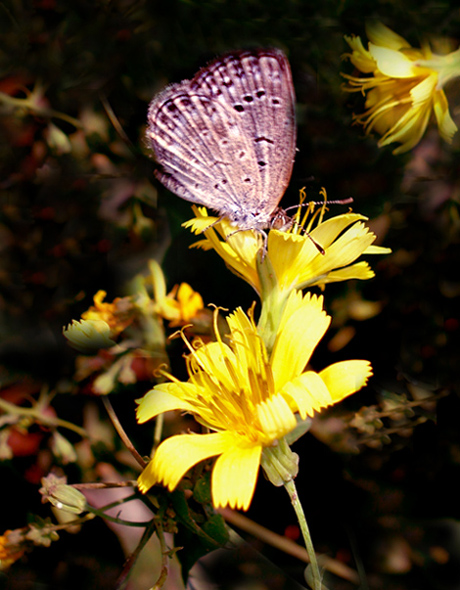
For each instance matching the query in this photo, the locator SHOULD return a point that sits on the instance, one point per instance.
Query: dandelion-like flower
(180, 305)
(248, 398)
(320, 254)
(404, 87)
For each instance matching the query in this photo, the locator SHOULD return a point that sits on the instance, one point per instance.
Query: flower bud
(56, 491)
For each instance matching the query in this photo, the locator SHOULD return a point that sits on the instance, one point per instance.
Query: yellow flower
(9, 552)
(180, 305)
(297, 259)
(404, 87)
(247, 398)
(118, 314)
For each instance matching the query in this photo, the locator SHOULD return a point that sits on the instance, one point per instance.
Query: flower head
(404, 87)
(322, 254)
(180, 305)
(65, 497)
(247, 397)
(118, 314)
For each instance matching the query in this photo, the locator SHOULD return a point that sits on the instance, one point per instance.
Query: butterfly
(226, 139)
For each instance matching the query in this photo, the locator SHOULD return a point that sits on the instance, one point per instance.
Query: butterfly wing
(204, 153)
(258, 86)
(226, 138)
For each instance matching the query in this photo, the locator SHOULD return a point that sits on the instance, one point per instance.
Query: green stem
(130, 562)
(102, 512)
(40, 418)
(273, 301)
(70, 523)
(447, 66)
(26, 103)
(292, 491)
(164, 554)
(158, 430)
(117, 520)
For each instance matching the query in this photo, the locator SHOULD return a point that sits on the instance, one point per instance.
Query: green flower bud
(88, 336)
(64, 497)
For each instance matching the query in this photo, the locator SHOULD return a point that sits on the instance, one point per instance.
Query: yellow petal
(329, 230)
(213, 360)
(190, 301)
(234, 477)
(392, 63)
(302, 326)
(360, 270)
(345, 250)
(447, 127)
(346, 377)
(199, 224)
(377, 250)
(275, 417)
(409, 130)
(298, 262)
(158, 280)
(289, 254)
(177, 454)
(422, 92)
(245, 340)
(360, 58)
(307, 393)
(238, 249)
(379, 34)
(163, 398)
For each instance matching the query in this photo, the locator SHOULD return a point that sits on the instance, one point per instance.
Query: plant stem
(121, 432)
(292, 491)
(40, 418)
(39, 111)
(130, 562)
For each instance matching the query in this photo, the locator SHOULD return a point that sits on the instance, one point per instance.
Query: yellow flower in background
(297, 259)
(404, 87)
(247, 398)
(118, 314)
(180, 305)
(9, 551)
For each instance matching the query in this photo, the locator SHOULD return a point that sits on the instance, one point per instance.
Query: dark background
(87, 217)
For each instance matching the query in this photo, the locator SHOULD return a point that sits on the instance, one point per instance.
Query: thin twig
(129, 564)
(114, 120)
(290, 547)
(164, 555)
(101, 485)
(121, 432)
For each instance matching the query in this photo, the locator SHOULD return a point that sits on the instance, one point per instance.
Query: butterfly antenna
(334, 202)
(317, 245)
(320, 249)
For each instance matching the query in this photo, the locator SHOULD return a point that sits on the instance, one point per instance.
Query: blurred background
(81, 211)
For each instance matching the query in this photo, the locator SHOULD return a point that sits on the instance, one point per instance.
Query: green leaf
(197, 532)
